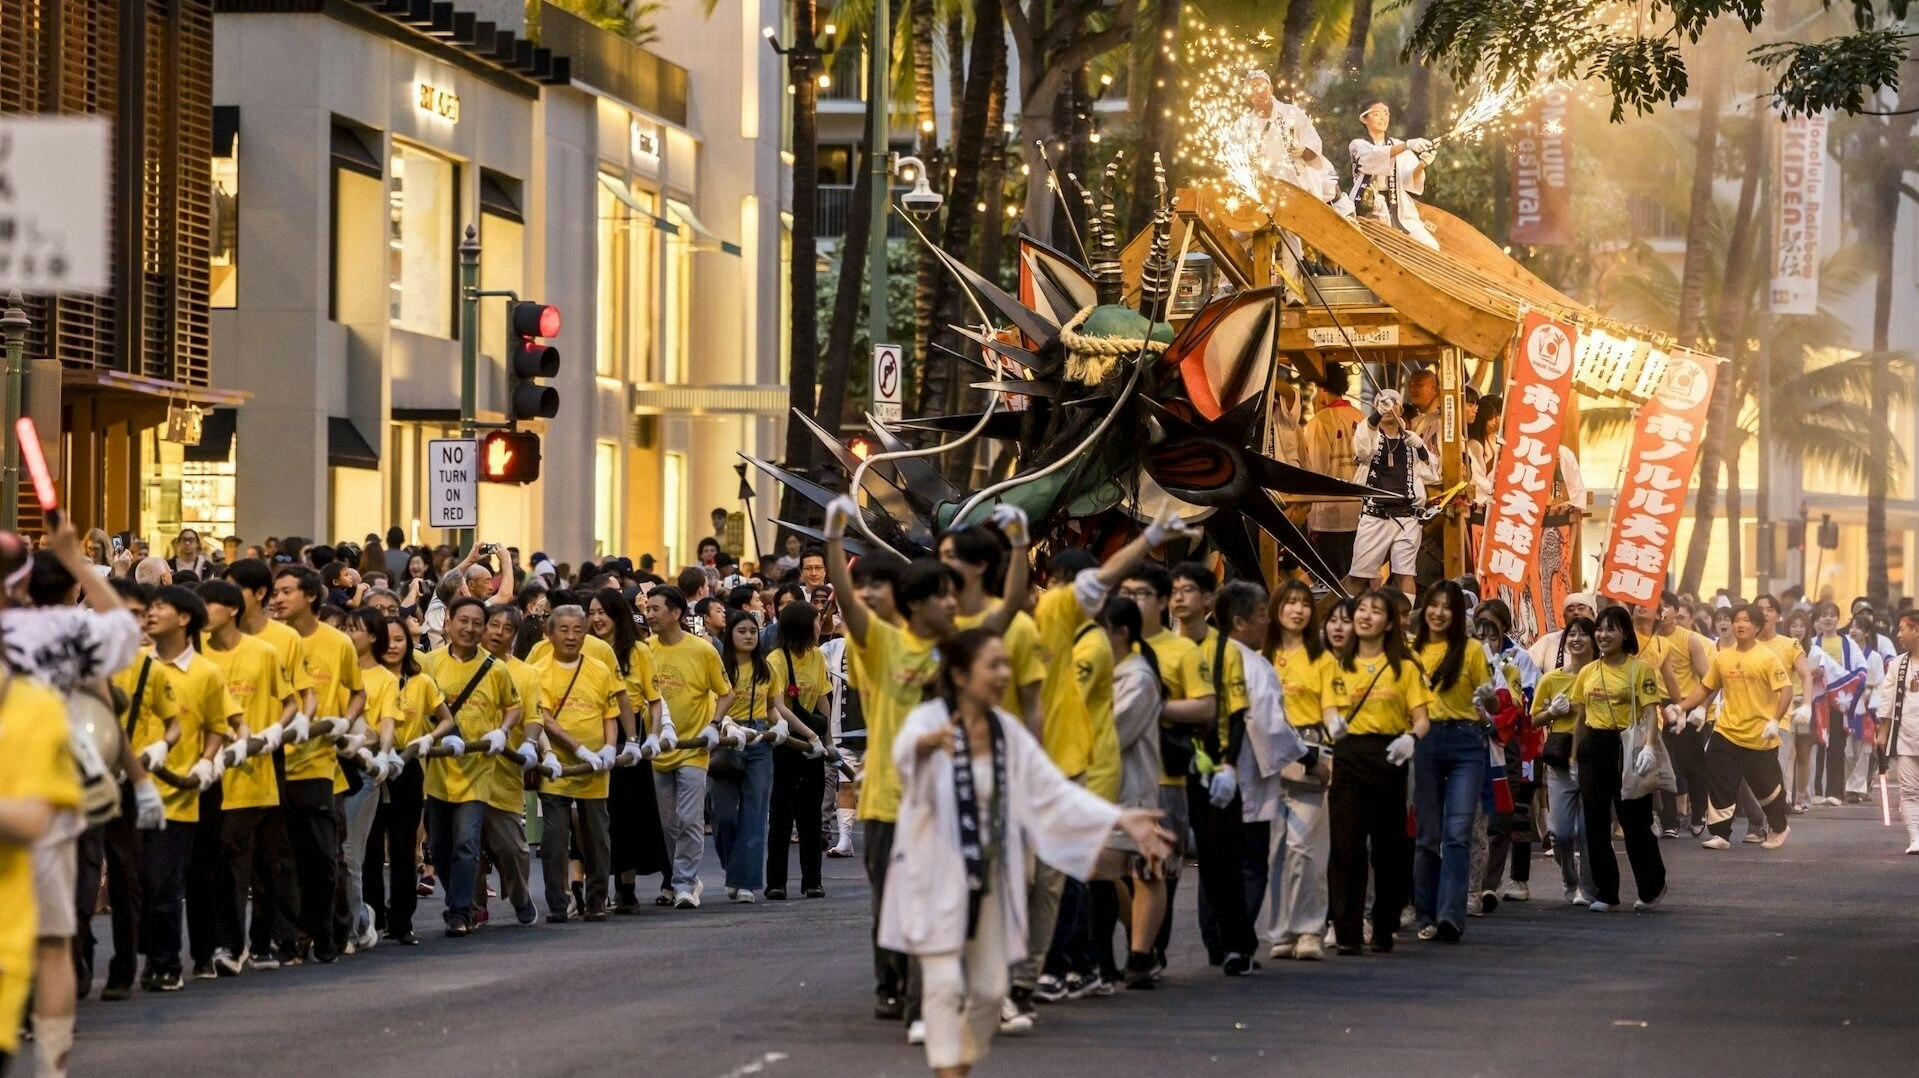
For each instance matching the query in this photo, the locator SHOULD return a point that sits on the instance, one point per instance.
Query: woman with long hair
(1616, 700)
(1798, 627)
(977, 793)
(395, 840)
(1450, 768)
(1553, 709)
(1138, 696)
(799, 770)
(1293, 917)
(740, 792)
(639, 846)
(187, 555)
(1375, 710)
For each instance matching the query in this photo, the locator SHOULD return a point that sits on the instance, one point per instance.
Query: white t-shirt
(1902, 684)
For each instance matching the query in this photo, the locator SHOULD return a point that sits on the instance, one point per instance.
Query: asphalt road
(1799, 962)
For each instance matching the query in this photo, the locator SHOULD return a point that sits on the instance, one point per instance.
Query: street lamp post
(14, 324)
(879, 153)
(469, 349)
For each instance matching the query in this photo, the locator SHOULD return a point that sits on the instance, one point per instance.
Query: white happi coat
(924, 911)
(1393, 178)
(1270, 742)
(1274, 136)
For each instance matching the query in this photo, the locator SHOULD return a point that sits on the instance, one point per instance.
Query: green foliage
(901, 265)
(1842, 73)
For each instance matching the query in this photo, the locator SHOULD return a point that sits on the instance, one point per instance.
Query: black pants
(313, 833)
(1727, 765)
(1367, 805)
(556, 841)
(799, 786)
(1510, 835)
(1688, 748)
(127, 899)
(274, 928)
(892, 971)
(1835, 750)
(163, 879)
(89, 867)
(208, 881)
(393, 847)
(1221, 835)
(1600, 761)
(1253, 844)
(239, 831)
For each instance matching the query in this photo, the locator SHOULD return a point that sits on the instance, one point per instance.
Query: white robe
(1270, 742)
(1274, 137)
(924, 911)
(1374, 164)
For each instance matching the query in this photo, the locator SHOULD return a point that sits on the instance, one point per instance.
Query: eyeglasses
(1137, 594)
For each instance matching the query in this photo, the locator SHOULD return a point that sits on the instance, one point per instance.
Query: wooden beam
(1460, 240)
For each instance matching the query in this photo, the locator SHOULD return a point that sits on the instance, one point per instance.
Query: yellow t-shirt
(1454, 704)
(1176, 656)
(1554, 683)
(205, 709)
(803, 681)
(580, 706)
(898, 666)
(592, 647)
(1093, 678)
(689, 679)
(1613, 696)
(418, 699)
(291, 647)
(1789, 653)
(1679, 646)
(1028, 657)
(1198, 675)
(334, 667)
(258, 684)
(1750, 682)
(1387, 707)
(469, 777)
(1303, 678)
(1067, 711)
(35, 765)
(382, 703)
(158, 705)
(1656, 651)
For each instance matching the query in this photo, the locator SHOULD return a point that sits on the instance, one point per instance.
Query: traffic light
(529, 325)
(510, 456)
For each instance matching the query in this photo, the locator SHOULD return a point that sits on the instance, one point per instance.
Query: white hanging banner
(53, 204)
(1799, 182)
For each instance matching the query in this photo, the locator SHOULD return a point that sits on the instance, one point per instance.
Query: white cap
(1580, 598)
(1256, 73)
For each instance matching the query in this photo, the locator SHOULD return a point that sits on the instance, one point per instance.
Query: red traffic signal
(510, 456)
(535, 320)
(530, 360)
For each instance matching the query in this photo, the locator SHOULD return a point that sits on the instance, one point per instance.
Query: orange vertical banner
(1665, 448)
(1537, 403)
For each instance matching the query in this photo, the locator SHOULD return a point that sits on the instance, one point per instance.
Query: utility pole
(469, 351)
(1762, 507)
(14, 324)
(879, 53)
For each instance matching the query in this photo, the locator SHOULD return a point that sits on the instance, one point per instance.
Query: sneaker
(1517, 891)
(916, 1031)
(1049, 989)
(1139, 972)
(699, 890)
(1382, 943)
(481, 916)
(1800, 809)
(225, 963)
(1237, 965)
(814, 892)
(1079, 987)
(844, 850)
(526, 914)
(1833, 802)
(406, 939)
(594, 916)
(165, 982)
(424, 888)
(1645, 904)
(1103, 985)
(1573, 896)
(1716, 843)
(684, 900)
(1754, 838)
(1776, 839)
(204, 971)
(1429, 932)
(1581, 898)
(1288, 949)
(1600, 907)
(1449, 932)
(1488, 902)
(1013, 1021)
(744, 896)
(458, 926)
(1697, 829)
(262, 961)
(116, 992)
(732, 894)
(1911, 849)
(1670, 832)
(1308, 949)
(889, 1009)
(556, 918)
(665, 897)
(776, 894)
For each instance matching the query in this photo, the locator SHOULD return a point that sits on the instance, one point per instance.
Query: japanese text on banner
(1799, 182)
(1523, 473)
(1665, 446)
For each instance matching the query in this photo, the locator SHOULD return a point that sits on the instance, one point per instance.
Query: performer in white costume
(1387, 172)
(1285, 144)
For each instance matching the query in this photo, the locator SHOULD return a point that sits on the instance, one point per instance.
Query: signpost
(54, 204)
(453, 483)
(888, 393)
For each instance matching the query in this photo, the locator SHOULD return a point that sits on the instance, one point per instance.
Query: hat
(1580, 598)
(543, 567)
(1387, 398)
(1255, 74)
(646, 562)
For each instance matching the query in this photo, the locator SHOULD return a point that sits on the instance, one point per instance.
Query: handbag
(1558, 751)
(726, 758)
(811, 716)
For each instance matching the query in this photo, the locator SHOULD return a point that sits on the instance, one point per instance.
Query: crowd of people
(260, 757)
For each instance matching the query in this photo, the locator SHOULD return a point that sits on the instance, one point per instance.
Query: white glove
(1012, 523)
(650, 747)
(1697, 717)
(1168, 527)
(730, 733)
(1223, 784)
(709, 739)
(153, 756)
(1674, 717)
(419, 745)
(1560, 707)
(453, 742)
(204, 773)
(593, 760)
(1772, 730)
(369, 763)
(329, 728)
(1644, 762)
(271, 738)
(1413, 440)
(529, 756)
(606, 756)
(1420, 145)
(815, 748)
(629, 755)
(1802, 715)
(149, 812)
(779, 732)
(376, 767)
(493, 742)
(669, 737)
(395, 763)
(298, 730)
(552, 765)
(351, 744)
(1335, 727)
(235, 753)
(840, 512)
(1401, 750)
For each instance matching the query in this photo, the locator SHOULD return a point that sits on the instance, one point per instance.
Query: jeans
(1600, 759)
(453, 830)
(798, 785)
(1569, 830)
(313, 833)
(358, 809)
(682, 799)
(395, 843)
(596, 850)
(740, 801)
(1449, 766)
(163, 878)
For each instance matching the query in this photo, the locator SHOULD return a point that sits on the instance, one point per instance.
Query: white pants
(1382, 540)
(1906, 769)
(1297, 859)
(961, 992)
(1859, 767)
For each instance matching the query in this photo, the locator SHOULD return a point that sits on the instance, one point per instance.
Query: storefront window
(673, 504)
(676, 318)
(642, 241)
(421, 208)
(223, 259)
(615, 229)
(606, 498)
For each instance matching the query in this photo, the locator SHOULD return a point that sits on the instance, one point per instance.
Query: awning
(160, 390)
(345, 448)
(704, 238)
(216, 437)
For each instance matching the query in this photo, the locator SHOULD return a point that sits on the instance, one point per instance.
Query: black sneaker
(1139, 971)
(814, 892)
(166, 982)
(776, 894)
(594, 916)
(527, 914)
(556, 918)
(406, 939)
(204, 971)
(1049, 989)
(116, 991)
(1448, 932)
(458, 926)
(889, 1009)
(1236, 965)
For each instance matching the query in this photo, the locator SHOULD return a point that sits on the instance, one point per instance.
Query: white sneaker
(1600, 907)
(1716, 843)
(1644, 904)
(1754, 838)
(1832, 801)
(1517, 891)
(732, 894)
(684, 900)
(745, 896)
(1308, 949)
(1914, 848)
(1776, 839)
(916, 1032)
(1284, 950)
(1011, 1021)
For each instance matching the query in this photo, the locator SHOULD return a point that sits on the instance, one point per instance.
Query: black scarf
(980, 856)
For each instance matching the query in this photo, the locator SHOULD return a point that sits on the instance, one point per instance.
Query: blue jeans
(453, 829)
(740, 803)
(1449, 767)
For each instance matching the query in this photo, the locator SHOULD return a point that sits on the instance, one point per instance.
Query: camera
(922, 201)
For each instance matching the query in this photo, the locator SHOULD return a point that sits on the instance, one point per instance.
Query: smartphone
(118, 546)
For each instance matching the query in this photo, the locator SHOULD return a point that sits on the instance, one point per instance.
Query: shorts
(1175, 817)
(55, 879)
(16, 984)
(1385, 539)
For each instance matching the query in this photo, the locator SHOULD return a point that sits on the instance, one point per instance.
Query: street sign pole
(469, 350)
(15, 325)
(888, 396)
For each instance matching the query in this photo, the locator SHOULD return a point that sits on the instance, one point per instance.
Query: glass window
(675, 322)
(223, 260)
(612, 316)
(673, 504)
(606, 498)
(422, 202)
(642, 241)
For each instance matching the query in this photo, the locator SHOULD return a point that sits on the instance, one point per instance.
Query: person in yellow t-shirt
(1293, 917)
(249, 791)
(1755, 694)
(799, 767)
(37, 779)
(1150, 587)
(175, 619)
(313, 773)
(975, 554)
(1553, 709)
(740, 792)
(1449, 768)
(582, 708)
(483, 706)
(419, 709)
(503, 835)
(1616, 701)
(695, 696)
(1376, 702)
(632, 804)
(1685, 734)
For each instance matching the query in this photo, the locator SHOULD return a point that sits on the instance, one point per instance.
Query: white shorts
(1383, 539)
(56, 868)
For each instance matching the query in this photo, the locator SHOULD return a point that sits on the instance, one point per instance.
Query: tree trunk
(1692, 290)
(837, 362)
(992, 225)
(1356, 34)
(803, 275)
(955, 67)
(1155, 122)
(1419, 106)
(927, 269)
(1292, 41)
(1886, 193)
(1735, 498)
